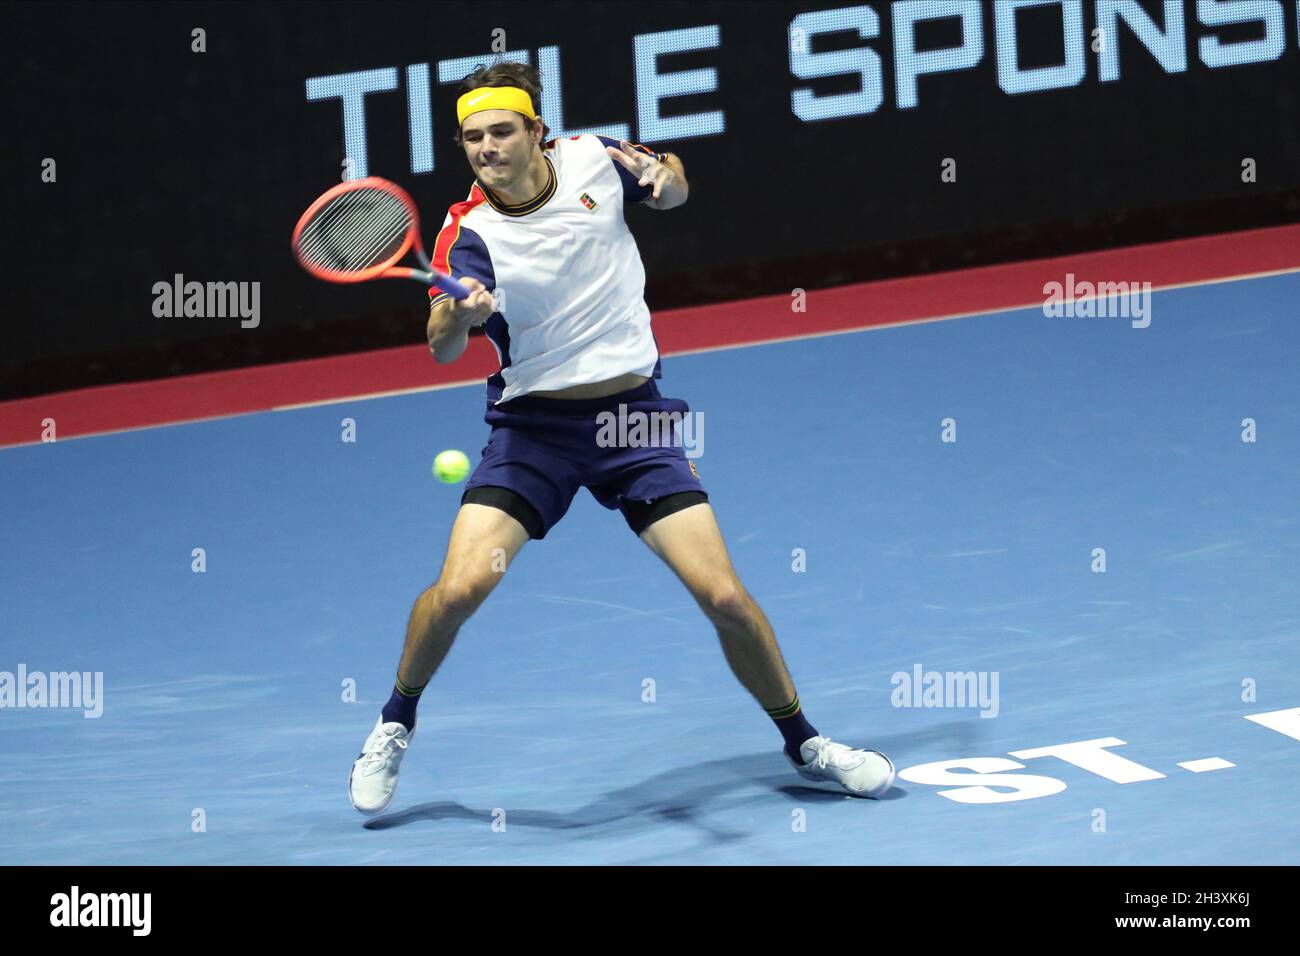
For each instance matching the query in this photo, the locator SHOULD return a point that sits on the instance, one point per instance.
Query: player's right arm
(451, 319)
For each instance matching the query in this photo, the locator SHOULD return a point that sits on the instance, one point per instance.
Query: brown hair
(506, 73)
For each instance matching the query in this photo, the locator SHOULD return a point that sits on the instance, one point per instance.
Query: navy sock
(401, 705)
(794, 727)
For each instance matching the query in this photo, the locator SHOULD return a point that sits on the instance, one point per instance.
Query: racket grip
(449, 285)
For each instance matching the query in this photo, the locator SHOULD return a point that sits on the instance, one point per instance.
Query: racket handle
(451, 286)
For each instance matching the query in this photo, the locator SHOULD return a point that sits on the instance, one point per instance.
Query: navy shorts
(545, 449)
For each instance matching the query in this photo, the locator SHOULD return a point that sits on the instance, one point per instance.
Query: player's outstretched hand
(648, 170)
(475, 309)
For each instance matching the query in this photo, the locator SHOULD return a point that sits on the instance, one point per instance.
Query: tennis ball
(451, 466)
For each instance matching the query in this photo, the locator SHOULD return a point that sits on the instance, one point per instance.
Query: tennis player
(543, 230)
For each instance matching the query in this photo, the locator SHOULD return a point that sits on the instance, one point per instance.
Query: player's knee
(459, 597)
(725, 602)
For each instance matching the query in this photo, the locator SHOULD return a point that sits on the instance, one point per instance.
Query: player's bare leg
(484, 540)
(690, 543)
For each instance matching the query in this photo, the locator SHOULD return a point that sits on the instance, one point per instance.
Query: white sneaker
(863, 773)
(373, 779)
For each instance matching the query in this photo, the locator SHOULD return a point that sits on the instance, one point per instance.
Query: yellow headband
(494, 98)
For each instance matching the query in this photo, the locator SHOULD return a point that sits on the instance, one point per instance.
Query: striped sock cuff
(407, 691)
(789, 710)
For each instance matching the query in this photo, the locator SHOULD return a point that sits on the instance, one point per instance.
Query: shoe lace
(833, 754)
(383, 749)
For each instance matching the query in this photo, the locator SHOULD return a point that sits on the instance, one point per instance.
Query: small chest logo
(587, 201)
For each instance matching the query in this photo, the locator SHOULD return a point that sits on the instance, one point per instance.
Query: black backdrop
(172, 161)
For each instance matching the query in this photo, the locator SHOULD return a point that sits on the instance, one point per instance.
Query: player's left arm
(664, 174)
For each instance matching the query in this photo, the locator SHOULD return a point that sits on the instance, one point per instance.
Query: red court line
(109, 408)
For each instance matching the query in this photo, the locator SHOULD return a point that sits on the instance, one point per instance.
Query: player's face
(497, 144)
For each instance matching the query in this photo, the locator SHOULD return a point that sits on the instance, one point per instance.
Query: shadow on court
(739, 783)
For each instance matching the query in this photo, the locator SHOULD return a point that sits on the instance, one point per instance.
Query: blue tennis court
(226, 702)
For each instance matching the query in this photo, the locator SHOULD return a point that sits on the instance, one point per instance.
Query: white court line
(459, 383)
(1207, 763)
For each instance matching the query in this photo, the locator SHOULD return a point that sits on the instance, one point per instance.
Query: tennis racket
(359, 229)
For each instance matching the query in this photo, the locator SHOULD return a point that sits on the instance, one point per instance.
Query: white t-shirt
(564, 269)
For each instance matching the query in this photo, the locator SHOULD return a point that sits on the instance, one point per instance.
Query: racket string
(376, 230)
(359, 230)
(324, 233)
(353, 230)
